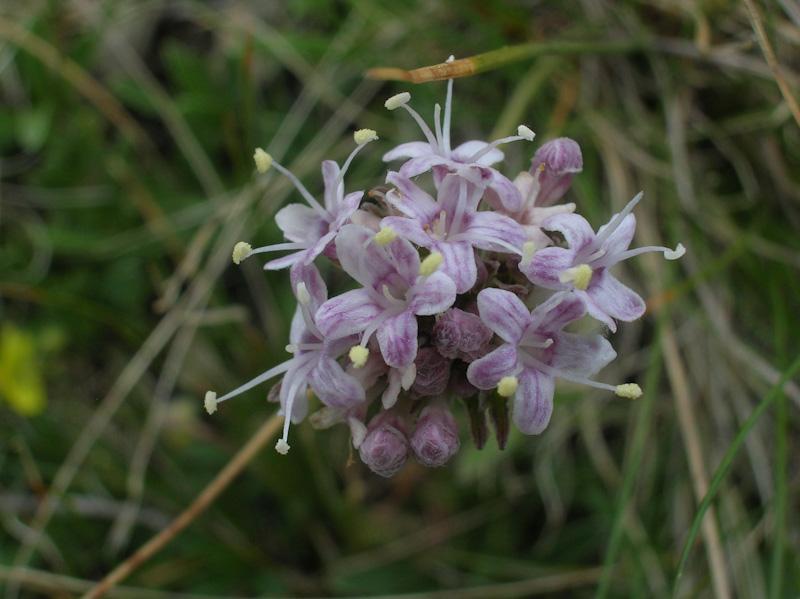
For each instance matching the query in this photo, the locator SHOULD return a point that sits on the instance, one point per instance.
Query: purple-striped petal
(408, 228)
(581, 355)
(417, 166)
(494, 232)
(575, 229)
(345, 209)
(405, 260)
(397, 338)
(320, 246)
(411, 199)
(557, 312)
(622, 236)
(333, 386)
(615, 299)
(315, 285)
(547, 264)
(330, 175)
(533, 401)
(487, 371)
(501, 193)
(504, 313)
(359, 258)
(458, 263)
(465, 151)
(431, 295)
(347, 314)
(411, 149)
(300, 223)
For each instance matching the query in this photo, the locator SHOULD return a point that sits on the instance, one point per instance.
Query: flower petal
(408, 228)
(432, 294)
(287, 260)
(581, 355)
(468, 149)
(330, 174)
(501, 193)
(347, 314)
(359, 258)
(411, 149)
(333, 386)
(622, 236)
(615, 299)
(557, 312)
(417, 166)
(397, 338)
(345, 208)
(411, 199)
(300, 223)
(575, 229)
(504, 313)
(533, 401)
(484, 227)
(487, 371)
(405, 260)
(319, 247)
(458, 263)
(310, 277)
(546, 266)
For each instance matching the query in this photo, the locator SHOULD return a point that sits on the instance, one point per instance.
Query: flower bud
(433, 372)
(460, 334)
(435, 439)
(555, 163)
(384, 449)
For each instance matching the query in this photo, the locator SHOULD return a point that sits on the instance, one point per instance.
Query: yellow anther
(628, 391)
(363, 136)
(385, 236)
(528, 249)
(241, 251)
(525, 132)
(507, 386)
(282, 447)
(397, 101)
(210, 402)
(263, 160)
(431, 264)
(580, 276)
(358, 356)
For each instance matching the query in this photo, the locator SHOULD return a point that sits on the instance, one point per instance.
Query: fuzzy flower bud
(459, 334)
(384, 449)
(433, 372)
(555, 163)
(435, 439)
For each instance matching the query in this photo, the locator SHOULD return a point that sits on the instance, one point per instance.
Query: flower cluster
(465, 285)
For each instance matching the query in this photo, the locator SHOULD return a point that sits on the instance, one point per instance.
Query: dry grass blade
(772, 60)
(231, 470)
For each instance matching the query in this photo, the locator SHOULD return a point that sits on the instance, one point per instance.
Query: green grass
(121, 199)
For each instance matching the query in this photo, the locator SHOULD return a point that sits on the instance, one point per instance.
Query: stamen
(525, 132)
(437, 123)
(528, 250)
(448, 109)
(263, 160)
(507, 386)
(210, 402)
(291, 348)
(357, 431)
(302, 294)
(628, 391)
(385, 236)
(431, 264)
(440, 225)
(426, 131)
(264, 376)
(669, 253)
(409, 376)
(364, 136)
(278, 247)
(397, 101)
(358, 356)
(241, 251)
(676, 253)
(301, 188)
(282, 447)
(580, 276)
(615, 222)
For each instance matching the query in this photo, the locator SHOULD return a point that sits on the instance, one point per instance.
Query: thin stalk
(725, 466)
